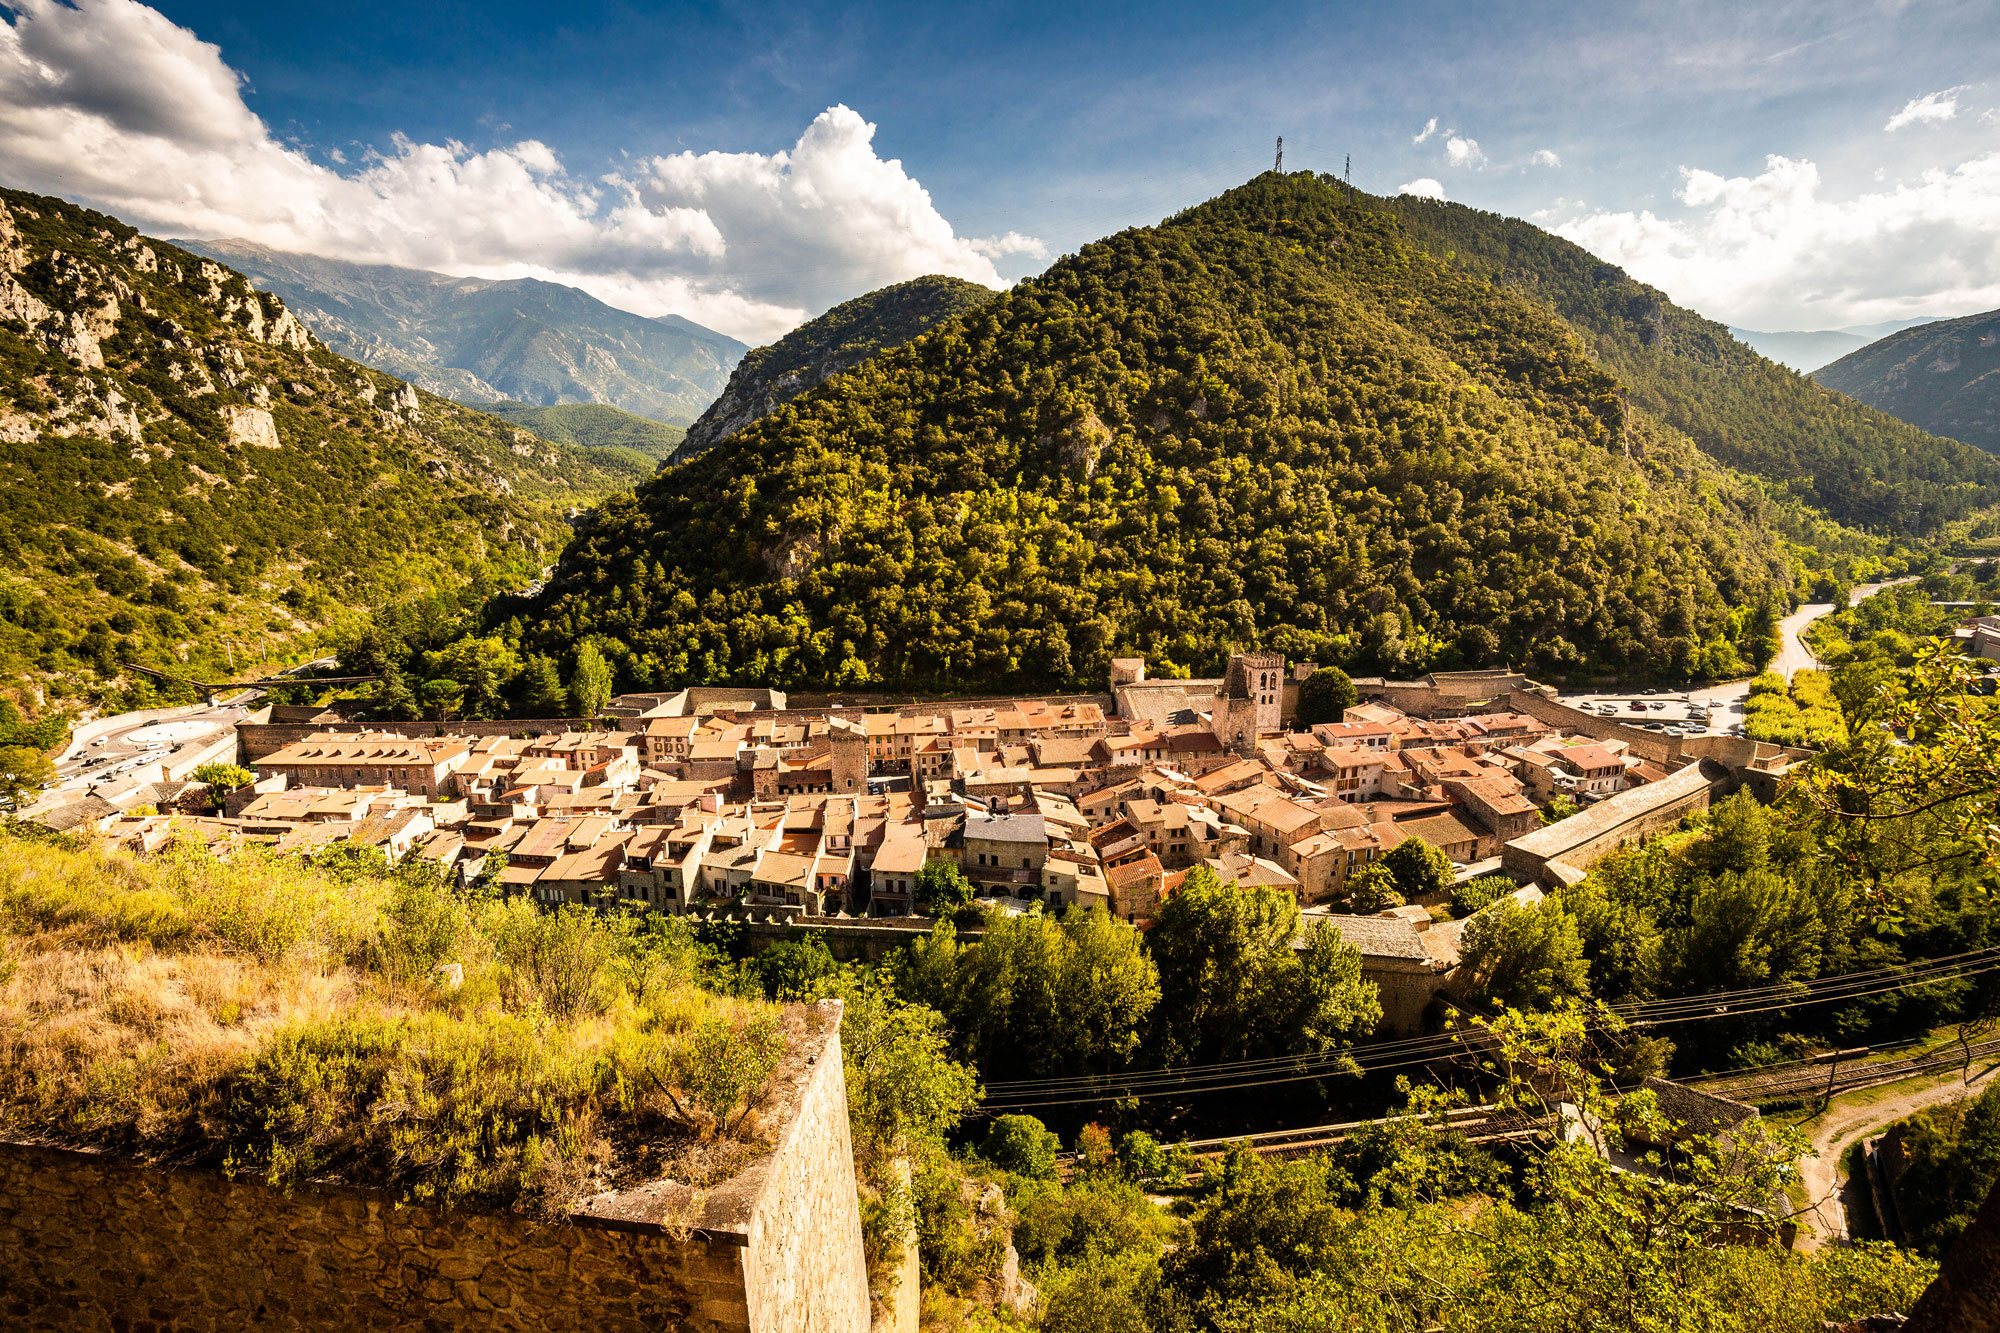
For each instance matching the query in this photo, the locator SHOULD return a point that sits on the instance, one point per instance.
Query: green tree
(1420, 870)
(1234, 986)
(1038, 995)
(1524, 957)
(1952, 1156)
(1372, 888)
(794, 969)
(1325, 696)
(1022, 1145)
(1562, 807)
(24, 771)
(223, 779)
(484, 666)
(590, 684)
(941, 888)
(543, 694)
(1743, 930)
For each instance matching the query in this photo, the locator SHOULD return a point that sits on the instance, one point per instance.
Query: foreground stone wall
(88, 1241)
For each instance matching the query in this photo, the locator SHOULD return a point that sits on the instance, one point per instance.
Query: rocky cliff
(185, 470)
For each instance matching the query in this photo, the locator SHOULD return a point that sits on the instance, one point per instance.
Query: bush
(1023, 1145)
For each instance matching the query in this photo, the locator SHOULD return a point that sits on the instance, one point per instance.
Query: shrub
(1023, 1145)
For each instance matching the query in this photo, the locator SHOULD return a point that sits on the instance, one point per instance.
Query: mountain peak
(490, 340)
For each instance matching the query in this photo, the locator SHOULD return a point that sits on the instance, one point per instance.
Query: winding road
(1822, 1173)
(1725, 702)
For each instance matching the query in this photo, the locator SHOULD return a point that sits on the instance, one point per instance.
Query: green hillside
(1943, 377)
(1277, 418)
(187, 475)
(592, 426)
(1857, 465)
(842, 338)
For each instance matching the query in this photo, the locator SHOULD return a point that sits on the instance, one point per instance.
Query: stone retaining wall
(90, 1241)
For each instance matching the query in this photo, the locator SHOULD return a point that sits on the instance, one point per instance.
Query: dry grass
(293, 1023)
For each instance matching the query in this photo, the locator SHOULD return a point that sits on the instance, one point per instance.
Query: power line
(1380, 1057)
(1634, 1012)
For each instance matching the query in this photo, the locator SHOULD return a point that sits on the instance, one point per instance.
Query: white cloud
(1463, 152)
(1778, 250)
(110, 102)
(1545, 157)
(1423, 187)
(1930, 109)
(1430, 128)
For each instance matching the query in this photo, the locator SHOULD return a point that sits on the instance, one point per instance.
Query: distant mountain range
(1943, 376)
(842, 338)
(481, 341)
(1808, 349)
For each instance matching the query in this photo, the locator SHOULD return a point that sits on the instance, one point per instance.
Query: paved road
(1725, 702)
(1821, 1172)
(117, 748)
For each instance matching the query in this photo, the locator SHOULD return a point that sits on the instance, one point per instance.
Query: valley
(1062, 747)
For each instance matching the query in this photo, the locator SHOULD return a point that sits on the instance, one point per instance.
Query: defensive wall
(1563, 851)
(91, 1241)
(1661, 749)
(848, 939)
(255, 740)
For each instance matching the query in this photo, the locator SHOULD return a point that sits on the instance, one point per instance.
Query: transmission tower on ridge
(1279, 165)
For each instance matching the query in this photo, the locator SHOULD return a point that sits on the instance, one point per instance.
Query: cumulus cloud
(1463, 152)
(1430, 128)
(1930, 109)
(1423, 187)
(1545, 157)
(1780, 250)
(111, 102)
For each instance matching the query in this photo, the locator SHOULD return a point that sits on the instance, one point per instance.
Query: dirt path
(1840, 1127)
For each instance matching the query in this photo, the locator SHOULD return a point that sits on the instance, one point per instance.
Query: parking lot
(1670, 713)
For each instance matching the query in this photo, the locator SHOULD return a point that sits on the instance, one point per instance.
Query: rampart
(255, 740)
(1562, 852)
(90, 1241)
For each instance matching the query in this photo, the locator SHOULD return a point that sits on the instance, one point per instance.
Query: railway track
(1804, 1079)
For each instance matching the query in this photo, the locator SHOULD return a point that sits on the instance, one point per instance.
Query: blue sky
(1741, 155)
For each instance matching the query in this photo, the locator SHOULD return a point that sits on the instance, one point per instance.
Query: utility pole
(1279, 165)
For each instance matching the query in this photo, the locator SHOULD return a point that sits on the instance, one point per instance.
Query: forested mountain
(480, 341)
(1944, 377)
(1351, 430)
(850, 333)
(185, 471)
(593, 426)
(1858, 466)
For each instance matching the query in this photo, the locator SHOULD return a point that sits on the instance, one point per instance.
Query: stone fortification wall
(1561, 852)
(88, 1241)
(258, 739)
(1663, 750)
